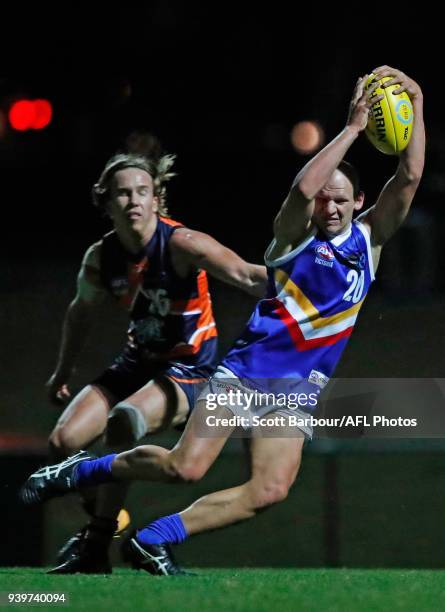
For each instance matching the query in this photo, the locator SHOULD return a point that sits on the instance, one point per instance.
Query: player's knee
(186, 469)
(62, 443)
(126, 425)
(267, 493)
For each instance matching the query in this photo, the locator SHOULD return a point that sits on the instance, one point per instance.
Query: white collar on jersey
(338, 240)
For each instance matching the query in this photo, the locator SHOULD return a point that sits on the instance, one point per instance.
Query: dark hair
(351, 173)
(158, 169)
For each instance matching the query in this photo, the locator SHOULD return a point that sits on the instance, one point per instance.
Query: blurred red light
(30, 115)
(22, 115)
(43, 114)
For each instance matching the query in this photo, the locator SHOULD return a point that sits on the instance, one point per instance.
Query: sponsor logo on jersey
(324, 255)
(317, 378)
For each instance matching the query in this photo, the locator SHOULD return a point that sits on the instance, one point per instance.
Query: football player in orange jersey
(155, 268)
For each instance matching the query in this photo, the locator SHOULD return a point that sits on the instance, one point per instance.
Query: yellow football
(390, 122)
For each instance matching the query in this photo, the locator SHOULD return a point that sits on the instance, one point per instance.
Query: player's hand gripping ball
(390, 123)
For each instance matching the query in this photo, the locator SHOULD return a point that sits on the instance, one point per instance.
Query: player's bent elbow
(414, 177)
(412, 174)
(302, 191)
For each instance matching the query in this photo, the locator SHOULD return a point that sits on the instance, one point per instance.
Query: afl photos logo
(324, 255)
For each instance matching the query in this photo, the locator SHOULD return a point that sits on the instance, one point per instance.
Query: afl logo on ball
(324, 255)
(404, 112)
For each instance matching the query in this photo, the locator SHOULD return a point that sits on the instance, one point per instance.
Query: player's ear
(156, 203)
(359, 201)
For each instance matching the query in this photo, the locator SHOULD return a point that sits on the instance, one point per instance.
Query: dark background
(221, 86)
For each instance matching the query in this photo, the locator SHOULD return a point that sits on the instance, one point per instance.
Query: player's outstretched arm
(294, 219)
(203, 251)
(78, 320)
(395, 199)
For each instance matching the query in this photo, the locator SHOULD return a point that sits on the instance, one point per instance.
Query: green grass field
(240, 590)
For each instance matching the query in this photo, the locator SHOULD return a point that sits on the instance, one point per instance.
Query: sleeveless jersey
(297, 334)
(171, 317)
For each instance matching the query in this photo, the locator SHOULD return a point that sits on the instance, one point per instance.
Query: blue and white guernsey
(299, 330)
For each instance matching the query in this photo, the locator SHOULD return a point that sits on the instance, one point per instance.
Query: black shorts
(129, 372)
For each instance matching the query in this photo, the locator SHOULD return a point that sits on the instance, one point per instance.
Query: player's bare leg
(188, 461)
(82, 422)
(159, 404)
(275, 465)
(150, 409)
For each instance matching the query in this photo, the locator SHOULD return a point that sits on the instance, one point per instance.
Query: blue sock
(166, 530)
(94, 471)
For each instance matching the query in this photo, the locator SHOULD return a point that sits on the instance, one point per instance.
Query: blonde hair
(158, 169)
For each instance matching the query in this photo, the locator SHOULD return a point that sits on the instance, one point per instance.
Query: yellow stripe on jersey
(312, 314)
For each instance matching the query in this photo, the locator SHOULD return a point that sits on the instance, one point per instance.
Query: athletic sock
(94, 471)
(166, 530)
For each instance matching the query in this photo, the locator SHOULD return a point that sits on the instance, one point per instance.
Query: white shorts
(251, 405)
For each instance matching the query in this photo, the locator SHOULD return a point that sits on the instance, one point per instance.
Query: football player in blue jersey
(320, 265)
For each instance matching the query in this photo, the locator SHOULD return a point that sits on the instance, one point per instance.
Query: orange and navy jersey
(299, 331)
(171, 317)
